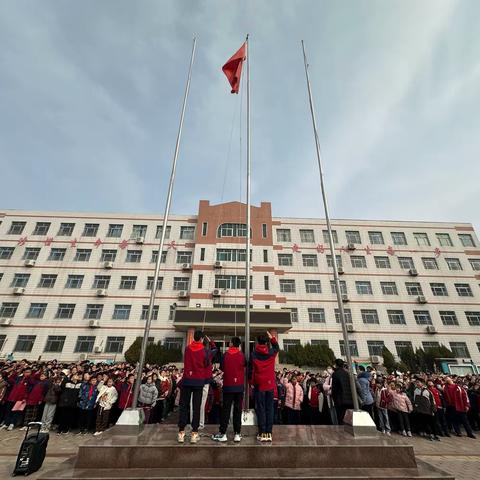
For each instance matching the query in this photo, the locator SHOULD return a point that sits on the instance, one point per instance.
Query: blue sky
(90, 95)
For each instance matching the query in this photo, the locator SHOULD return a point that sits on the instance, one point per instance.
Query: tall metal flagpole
(168, 202)
(330, 241)
(248, 241)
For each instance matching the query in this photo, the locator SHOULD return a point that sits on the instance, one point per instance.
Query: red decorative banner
(98, 242)
(320, 248)
(48, 241)
(390, 250)
(22, 241)
(123, 244)
(368, 250)
(437, 252)
(73, 243)
(295, 248)
(172, 244)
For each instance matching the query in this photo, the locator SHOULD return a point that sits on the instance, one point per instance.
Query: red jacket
(233, 366)
(196, 363)
(37, 394)
(126, 396)
(456, 396)
(436, 395)
(313, 400)
(262, 366)
(21, 389)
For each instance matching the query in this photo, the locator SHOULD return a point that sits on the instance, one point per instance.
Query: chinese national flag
(233, 68)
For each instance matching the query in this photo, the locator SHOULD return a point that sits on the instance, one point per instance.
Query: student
(458, 405)
(35, 399)
(87, 400)
(262, 377)
(67, 404)
(293, 400)
(424, 408)
(107, 396)
(403, 406)
(233, 366)
(51, 399)
(147, 398)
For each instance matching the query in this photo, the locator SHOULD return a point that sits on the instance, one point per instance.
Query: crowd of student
(88, 397)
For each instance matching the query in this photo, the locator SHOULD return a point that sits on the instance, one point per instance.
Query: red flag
(233, 68)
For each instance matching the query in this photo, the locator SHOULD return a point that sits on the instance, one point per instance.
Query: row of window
(376, 238)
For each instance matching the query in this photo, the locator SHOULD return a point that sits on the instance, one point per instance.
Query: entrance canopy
(228, 321)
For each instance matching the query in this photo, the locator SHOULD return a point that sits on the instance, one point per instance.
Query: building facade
(77, 285)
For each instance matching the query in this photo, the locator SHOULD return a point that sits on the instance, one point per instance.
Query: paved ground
(458, 456)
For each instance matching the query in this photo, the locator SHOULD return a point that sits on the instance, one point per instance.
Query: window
(145, 312)
(358, 261)
(265, 256)
(173, 343)
(187, 233)
(389, 288)
(160, 230)
(284, 235)
(326, 239)
(55, 343)
(421, 239)
(232, 255)
(90, 230)
(6, 253)
(465, 238)
(348, 315)
(84, 344)
(31, 253)
(422, 317)
(319, 342)
(115, 230)
(364, 288)
(74, 281)
(376, 238)
(313, 286)
(93, 311)
(309, 260)
(430, 345)
(108, 256)
(448, 317)
(464, 290)
(414, 288)
(285, 259)
(399, 238)
(402, 345)
(82, 255)
(16, 228)
(233, 282)
(155, 256)
(293, 314)
(290, 343)
(114, 344)
(41, 228)
(121, 312)
(454, 263)
(200, 281)
(139, 231)
(375, 347)
(47, 280)
(287, 286)
(101, 281)
(36, 310)
(182, 283)
(474, 262)
(20, 280)
(266, 284)
(343, 287)
(444, 240)
(353, 348)
(202, 254)
(439, 289)
(128, 282)
(24, 343)
(57, 254)
(133, 256)
(3, 338)
(353, 236)
(459, 349)
(184, 257)
(316, 315)
(307, 236)
(430, 263)
(66, 229)
(205, 229)
(264, 230)
(8, 309)
(370, 316)
(338, 259)
(65, 310)
(473, 318)
(150, 283)
(396, 317)
(406, 263)
(382, 262)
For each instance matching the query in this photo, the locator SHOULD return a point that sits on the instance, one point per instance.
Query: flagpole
(168, 202)
(330, 241)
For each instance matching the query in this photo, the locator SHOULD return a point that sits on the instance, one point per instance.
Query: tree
(155, 354)
(389, 360)
(308, 355)
(132, 355)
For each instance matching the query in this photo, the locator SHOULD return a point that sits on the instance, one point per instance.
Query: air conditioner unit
(217, 293)
(345, 299)
(29, 263)
(431, 329)
(351, 246)
(182, 294)
(187, 266)
(18, 291)
(5, 322)
(97, 349)
(413, 272)
(350, 328)
(218, 265)
(94, 324)
(108, 265)
(139, 240)
(376, 359)
(340, 270)
(421, 299)
(101, 292)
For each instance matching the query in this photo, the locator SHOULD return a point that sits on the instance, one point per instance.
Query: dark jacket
(233, 367)
(87, 396)
(53, 392)
(69, 394)
(341, 391)
(262, 366)
(423, 401)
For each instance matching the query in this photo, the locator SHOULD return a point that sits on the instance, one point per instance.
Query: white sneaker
(389, 434)
(219, 437)
(11, 427)
(237, 438)
(2, 426)
(181, 437)
(97, 433)
(23, 429)
(194, 437)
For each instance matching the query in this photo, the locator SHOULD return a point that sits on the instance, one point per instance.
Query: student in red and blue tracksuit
(262, 377)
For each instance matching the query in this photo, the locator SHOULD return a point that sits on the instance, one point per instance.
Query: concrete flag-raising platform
(297, 452)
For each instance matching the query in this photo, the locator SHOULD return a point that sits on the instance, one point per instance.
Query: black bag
(32, 451)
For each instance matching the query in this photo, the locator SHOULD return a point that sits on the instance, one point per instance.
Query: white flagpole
(330, 241)
(168, 202)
